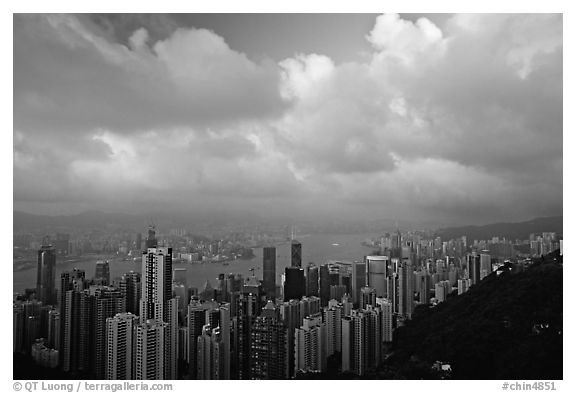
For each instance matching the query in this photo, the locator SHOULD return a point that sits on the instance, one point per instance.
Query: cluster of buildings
(151, 325)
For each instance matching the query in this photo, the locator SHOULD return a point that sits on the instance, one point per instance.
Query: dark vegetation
(509, 326)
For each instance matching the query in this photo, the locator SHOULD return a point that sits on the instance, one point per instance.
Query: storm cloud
(459, 122)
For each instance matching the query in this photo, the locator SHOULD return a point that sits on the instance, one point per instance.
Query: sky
(447, 118)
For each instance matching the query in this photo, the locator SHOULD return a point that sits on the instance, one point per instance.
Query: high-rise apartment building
(46, 275)
(105, 302)
(361, 340)
(387, 318)
(120, 346)
(312, 276)
(310, 345)
(406, 289)
(269, 346)
(149, 355)
(157, 302)
(367, 297)
(131, 287)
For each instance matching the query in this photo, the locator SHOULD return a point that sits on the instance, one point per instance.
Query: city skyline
(444, 118)
(288, 196)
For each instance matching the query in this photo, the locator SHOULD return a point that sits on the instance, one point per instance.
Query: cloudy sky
(447, 118)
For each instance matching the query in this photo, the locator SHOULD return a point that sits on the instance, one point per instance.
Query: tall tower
(224, 332)
(296, 253)
(54, 327)
(196, 321)
(120, 346)
(102, 274)
(149, 354)
(74, 321)
(406, 290)
(377, 271)
(151, 241)
(311, 273)
(269, 268)
(361, 340)
(358, 280)
(269, 346)
(324, 284)
(156, 282)
(333, 316)
(387, 319)
(131, 287)
(106, 302)
(367, 297)
(157, 303)
(295, 284)
(310, 345)
(46, 275)
(250, 305)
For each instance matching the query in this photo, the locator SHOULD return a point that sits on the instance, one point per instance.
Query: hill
(509, 326)
(515, 230)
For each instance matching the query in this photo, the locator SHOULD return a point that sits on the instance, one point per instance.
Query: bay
(317, 248)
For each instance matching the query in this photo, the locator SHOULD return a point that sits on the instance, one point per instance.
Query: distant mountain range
(509, 230)
(26, 222)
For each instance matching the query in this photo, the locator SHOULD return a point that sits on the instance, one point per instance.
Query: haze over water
(317, 248)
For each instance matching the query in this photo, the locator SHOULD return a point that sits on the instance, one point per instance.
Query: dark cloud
(456, 118)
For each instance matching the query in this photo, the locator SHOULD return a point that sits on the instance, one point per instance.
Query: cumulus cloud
(460, 122)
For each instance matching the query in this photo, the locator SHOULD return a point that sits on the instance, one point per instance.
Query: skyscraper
(485, 264)
(367, 297)
(251, 300)
(423, 285)
(310, 345)
(361, 340)
(157, 303)
(106, 303)
(294, 286)
(150, 352)
(473, 267)
(54, 326)
(156, 282)
(131, 287)
(102, 273)
(196, 322)
(224, 333)
(377, 271)
(333, 315)
(324, 284)
(269, 346)
(387, 318)
(210, 354)
(296, 253)
(151, 241)
(269, 269)
(358, 280)
(74, 321)
(120, 346)
(46, 275)
(406, 289)
(311, 273)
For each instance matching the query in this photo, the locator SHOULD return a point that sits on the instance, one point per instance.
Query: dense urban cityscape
(334, 317)
(287, 196)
